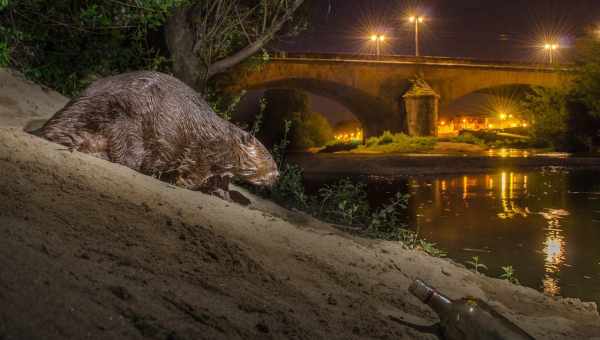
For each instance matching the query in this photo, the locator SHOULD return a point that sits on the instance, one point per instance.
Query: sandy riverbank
(90, 248)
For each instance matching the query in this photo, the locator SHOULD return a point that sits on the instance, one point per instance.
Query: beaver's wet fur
(157, 125)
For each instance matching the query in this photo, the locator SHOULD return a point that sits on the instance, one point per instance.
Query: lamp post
(417, 20)
(550, 48)
(378, 39)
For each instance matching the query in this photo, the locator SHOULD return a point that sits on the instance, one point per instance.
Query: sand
(24, 103)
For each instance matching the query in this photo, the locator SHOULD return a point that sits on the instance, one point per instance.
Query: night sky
(485, 29)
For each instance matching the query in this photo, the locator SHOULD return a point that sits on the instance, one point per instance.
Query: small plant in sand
(477, 266)
(389, 221)
(344, 202)
(508, 274)
(431, 249)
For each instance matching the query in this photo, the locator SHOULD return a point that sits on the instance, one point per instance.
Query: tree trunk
(189, 66)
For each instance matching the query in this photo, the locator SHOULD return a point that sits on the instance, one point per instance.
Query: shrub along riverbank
(400, 143)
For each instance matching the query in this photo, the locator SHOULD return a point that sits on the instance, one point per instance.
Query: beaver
(155, 124)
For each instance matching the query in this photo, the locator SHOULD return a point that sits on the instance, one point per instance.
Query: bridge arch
(488, 100)
(374, 114)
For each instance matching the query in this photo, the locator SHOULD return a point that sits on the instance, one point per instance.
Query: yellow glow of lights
(376, 37)
(551, 46)
(491, 126)
(503, 116)
(418, 19)
(350, 136)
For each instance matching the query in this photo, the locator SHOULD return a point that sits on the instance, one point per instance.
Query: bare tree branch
(210, 36)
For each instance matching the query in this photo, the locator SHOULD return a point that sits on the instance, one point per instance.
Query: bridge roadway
(373, 87)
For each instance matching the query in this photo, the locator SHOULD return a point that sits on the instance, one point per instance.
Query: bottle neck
(437, 301)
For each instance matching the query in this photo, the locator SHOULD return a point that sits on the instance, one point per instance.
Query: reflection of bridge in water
(379, 91)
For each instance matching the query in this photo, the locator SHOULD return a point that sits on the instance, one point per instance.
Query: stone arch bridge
(376, 89)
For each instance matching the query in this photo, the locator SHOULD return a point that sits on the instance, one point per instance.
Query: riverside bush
(344, 202)
(467, 138)
(397, 143)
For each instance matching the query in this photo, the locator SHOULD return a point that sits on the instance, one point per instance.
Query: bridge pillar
(422, 107)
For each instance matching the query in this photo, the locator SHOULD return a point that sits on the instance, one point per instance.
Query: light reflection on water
(546, 224)
(518, 219)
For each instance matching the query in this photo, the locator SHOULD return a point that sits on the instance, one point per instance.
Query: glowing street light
(550, 49)
(378, 39)
(417, 20)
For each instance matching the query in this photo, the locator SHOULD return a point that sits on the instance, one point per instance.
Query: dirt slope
(90, 249)
(23, 102)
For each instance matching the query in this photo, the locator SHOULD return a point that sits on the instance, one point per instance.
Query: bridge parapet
(422, 60)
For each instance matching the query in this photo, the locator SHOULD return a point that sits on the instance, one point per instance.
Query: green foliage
(223, 105)
(547, 109)
(397, 143)
(569, 118)
(280, 149)
(477, 266)
(508, 273)
(258, 120)
(468, 138)
(431, 249)
(4, 54)
(289, 189)
(340, 145)
(387, 222)
(66, 44)
(311, 129)
(587, 85)
(3, 4)
(344, 202)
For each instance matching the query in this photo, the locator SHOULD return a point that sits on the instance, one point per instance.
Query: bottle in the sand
(467, 318)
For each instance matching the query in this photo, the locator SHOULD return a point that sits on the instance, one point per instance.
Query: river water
(544, 223)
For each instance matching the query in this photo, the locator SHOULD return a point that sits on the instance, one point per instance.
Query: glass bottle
(467, 318)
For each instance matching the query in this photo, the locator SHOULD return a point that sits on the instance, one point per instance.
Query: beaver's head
(256, 165)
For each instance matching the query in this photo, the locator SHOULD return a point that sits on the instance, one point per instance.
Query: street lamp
(378, 39)
(417, 20)
(550, 49)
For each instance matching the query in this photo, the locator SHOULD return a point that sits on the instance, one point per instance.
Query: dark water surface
(546, 224)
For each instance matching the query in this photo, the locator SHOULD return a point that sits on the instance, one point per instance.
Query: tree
(547, 110)
(569, 118)
(309, 130)
(586, 88)
(66, 44)
(207, 37)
